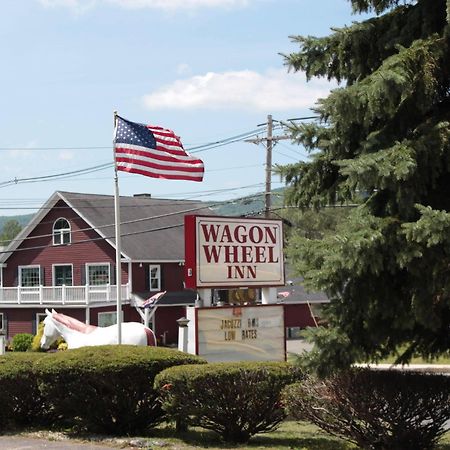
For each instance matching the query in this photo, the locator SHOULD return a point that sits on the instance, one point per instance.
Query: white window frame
(54, 273)
(88, 265)
(113, 314)
(59, 234)
(38, 321)
(157, 278)
(2, 323)
(33, 266)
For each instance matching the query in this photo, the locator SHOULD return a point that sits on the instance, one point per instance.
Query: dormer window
(61, 232)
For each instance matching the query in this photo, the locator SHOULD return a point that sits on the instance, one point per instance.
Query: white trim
(158, 277)
(130, 275)
(156, 261)
(98, 264)
(37, 321)
(36, 220)
(61, 232)
(94, 228)
(31, 266)
(2, 322)
(49, 204)
(58, 265)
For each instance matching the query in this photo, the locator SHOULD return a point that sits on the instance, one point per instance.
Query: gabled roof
(152, 229)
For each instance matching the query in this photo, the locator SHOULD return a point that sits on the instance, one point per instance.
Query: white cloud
(274, 90)
(179, 4)
(80, 6)
(65, 155)
(77, 6)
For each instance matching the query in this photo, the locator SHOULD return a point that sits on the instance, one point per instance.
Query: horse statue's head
(51, 333)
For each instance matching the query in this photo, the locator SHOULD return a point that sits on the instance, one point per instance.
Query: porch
(63, 295)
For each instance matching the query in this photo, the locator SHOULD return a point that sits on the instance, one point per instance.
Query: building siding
(297, 315)
(86, 247)
(166, 323)
(172, 276)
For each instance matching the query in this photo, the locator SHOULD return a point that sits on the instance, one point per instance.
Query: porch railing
(62, 295)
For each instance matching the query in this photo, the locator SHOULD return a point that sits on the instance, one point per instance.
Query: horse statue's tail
(151, 338)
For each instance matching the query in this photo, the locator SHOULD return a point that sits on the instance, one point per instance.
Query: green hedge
(20, 399)
(375, 409)
(106, 389)
(235, 400)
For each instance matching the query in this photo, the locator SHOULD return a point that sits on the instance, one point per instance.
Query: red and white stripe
(169, 160)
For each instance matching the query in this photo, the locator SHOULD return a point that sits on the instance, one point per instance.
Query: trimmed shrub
(22, 342)
(235, 400)
(20, 399)
(106, 389)
(375, 409)
(36, 343)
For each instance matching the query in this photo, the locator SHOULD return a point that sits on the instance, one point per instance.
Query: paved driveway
(36, 443)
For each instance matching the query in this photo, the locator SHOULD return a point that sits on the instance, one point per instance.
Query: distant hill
(22, 219)
(248, 205)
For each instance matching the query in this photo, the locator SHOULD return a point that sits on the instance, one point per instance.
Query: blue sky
(208, 69)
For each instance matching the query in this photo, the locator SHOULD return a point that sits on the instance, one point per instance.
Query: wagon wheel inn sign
(231, 252)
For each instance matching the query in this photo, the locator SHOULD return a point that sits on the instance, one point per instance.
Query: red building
(65, 259)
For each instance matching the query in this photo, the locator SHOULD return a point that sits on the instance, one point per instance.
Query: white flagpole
(118, 249)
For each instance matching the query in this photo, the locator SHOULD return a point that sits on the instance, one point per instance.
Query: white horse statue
(78, 334)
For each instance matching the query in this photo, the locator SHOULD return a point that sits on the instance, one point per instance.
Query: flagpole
(118, 247)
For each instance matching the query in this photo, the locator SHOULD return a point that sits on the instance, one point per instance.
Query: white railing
(62, 295)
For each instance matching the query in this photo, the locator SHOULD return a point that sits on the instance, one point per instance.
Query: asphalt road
(37, 443)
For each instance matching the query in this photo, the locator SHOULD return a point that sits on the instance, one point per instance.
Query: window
(39, 319)
(62, 275)
(61, 232)
(29, 276)
(97, 274)
(105, 319)
(155, 277)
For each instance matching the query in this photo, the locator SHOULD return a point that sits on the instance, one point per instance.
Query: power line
(100, 238)
(142, 219)
(202, 147)
(56, 176)
(87, 170)
(220, 142)
(50, 148)
(285, 155)
(164, 203)
(111, 225)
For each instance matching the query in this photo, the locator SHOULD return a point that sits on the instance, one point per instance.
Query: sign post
(235, 253)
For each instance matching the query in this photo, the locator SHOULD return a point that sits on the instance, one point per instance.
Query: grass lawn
(290, 435)
(441, 360)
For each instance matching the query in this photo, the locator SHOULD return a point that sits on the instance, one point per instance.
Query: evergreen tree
(384, 132)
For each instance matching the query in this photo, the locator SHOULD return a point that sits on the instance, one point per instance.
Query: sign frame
(217, 343)
(257, 241)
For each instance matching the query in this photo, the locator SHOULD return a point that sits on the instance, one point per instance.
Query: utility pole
(269, 142)
(269, 145)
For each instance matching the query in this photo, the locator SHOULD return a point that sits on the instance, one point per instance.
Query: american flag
(153, 299)
(154, 152)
